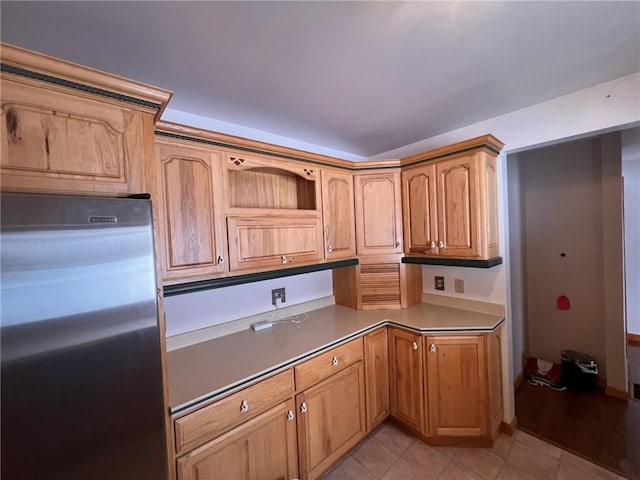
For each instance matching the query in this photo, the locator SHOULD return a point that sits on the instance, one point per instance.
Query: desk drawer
(328, 363)
(213, 420)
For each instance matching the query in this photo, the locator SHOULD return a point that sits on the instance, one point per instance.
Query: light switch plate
(459, 285)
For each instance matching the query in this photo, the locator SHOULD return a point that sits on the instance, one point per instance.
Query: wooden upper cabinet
(378, 213)
(457, 385)
(406, 378)
(74, 130)
(338, 215)
(267, 185)
(192, 226)
(58, 142)
(450, 207)
(259, 243)
(457, 207)
(420, 204)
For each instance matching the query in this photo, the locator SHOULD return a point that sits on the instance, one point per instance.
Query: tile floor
(390, 453)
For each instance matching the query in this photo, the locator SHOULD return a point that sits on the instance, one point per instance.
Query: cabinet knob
(329, 248)
(414, 345)
(220, 260)
(433, 348)
(290, 415)
(334, 361)
(283, 260)
(244, 406)
(432, 244)
(440, 244)
(397, 242)
(303, 407)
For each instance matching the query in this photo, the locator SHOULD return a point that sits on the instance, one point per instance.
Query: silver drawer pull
(283, 260)
(440, 244)
(414, 345)
(244, 406)
(329, 248)
(397, 242)
(290, 415)
(432, 245)
(220, 260)
(334, 361)
(433, 348)
(303, 407)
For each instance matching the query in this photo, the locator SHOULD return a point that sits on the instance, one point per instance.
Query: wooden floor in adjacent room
(597, 427)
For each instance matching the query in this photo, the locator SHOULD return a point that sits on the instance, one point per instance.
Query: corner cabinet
(447, 388)
(378, 213)
(450, 207)
(190, 210)
(376, 370)
(407, 378)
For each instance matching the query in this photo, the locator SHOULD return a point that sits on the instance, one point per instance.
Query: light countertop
(200, 373)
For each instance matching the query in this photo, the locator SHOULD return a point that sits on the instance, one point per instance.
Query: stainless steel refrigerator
(81, 375)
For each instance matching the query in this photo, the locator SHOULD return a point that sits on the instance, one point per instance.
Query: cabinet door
(190, 211)
(264, 447)
(419, 202)
(331, 420)
(54, 141)
(273, 242)
(405, 371)
(456, 385)
(378, 213)
(376, 370)
(457, 207)
(338, 215)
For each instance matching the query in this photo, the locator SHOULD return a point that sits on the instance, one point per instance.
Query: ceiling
(357, 77)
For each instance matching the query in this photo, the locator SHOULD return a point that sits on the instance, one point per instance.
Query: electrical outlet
(278, 293)
(439, 283)
(459, 285)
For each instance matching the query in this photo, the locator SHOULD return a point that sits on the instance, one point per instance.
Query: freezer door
(82, 392)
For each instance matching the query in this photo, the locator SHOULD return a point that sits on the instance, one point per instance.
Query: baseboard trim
(511, 427)
(633, 339)
(616, 393)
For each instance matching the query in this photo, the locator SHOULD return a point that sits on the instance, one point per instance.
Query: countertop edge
(208, 398)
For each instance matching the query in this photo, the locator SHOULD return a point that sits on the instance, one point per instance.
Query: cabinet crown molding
(37, 66)
(487, 142)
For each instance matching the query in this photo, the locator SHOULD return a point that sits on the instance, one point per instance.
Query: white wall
(214, 125)
(194, 311)
(631, 174)
(516, 283)
(563, 211)
(599, 108)
(486, 285)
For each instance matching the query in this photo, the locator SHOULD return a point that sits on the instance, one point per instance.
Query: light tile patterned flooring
(392, 454)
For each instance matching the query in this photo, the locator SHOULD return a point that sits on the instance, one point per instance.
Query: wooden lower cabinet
(406, 372)
(264, 447)
(376, 371)
(464, 385)
(331, 420)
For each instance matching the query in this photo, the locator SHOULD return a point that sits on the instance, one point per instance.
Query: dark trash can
(579, 370)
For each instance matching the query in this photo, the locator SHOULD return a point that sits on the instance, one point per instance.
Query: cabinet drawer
(258, 243)
(328, 363)
(209, 422)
